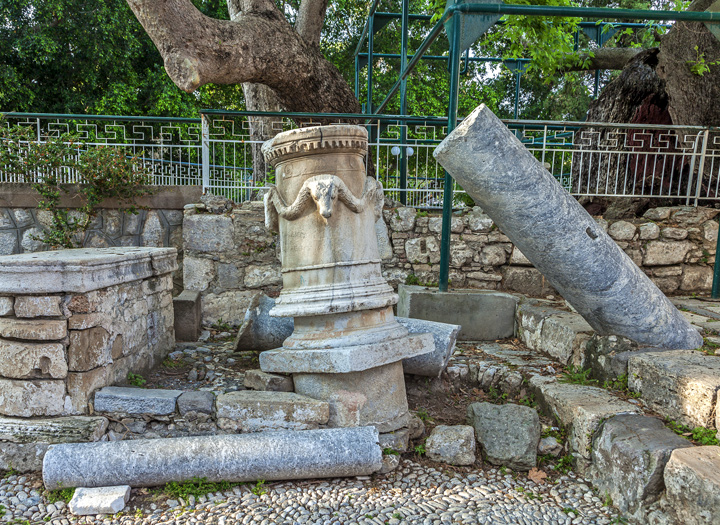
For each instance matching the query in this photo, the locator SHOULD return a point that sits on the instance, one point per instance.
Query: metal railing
(216, 152)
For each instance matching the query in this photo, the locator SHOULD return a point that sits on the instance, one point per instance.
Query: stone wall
(230, 256)
(73, 321)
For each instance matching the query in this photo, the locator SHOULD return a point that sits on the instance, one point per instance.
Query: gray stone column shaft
(558, 236)
(305, 454)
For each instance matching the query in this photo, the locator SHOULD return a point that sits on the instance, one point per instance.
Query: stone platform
(73, 321)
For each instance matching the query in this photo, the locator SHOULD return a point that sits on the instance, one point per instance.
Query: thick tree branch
(258, 47)
(615, 58)
(310, 20)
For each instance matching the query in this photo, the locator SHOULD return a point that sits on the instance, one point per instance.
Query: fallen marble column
(335, 452)
(444, 336)
(558, 236)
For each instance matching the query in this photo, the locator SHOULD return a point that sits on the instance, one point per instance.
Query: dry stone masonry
(74, 321)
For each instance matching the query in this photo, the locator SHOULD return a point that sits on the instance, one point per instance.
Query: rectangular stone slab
(52, 430)
(327, 453)
(254, 411)
(344, 360)
(99, 500)
(19, 359)
(136, 400)
(82, 269)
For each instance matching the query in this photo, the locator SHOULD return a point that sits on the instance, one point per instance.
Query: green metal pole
(371, 35)
(357, 77)
(455, 52)
(403, 101)
(716, 272)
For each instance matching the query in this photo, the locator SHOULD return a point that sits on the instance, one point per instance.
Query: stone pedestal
(346, 347)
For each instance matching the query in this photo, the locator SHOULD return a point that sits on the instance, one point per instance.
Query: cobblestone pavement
(411, 494)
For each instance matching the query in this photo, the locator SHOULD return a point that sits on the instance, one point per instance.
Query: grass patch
(196, 487)
(700, 435)
(65, 495)
(621, 385)
(578, 376)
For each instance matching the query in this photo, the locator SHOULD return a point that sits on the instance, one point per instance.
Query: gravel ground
(411, 494)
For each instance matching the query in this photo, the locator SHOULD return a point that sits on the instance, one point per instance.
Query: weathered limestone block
(454, 445)
(526, 280)
(675, 234)
(457, 224)
(8, 242)
(658, 253)
(197, 401)
(207, 233)
(6, 306)
(432, 363)
(89, 349)
(187, 315)
(99, 500)
(251, 411)
(658, 214)
(22, 457)
(509, 434)
(259, 276)
(681, 385)
(403, 219)
(198, 273)
(21, 360)
(697, 278)
(649, 231)
(581, 261)
(629, 454)
(578, 407)
(228, 306)
(422, 250)
(153, 233)
(259, 380)
(82, 385)
(23, 398)
(260, 331)
(622, 231)
(336, 452)
(33, 330)
(38, 306)
(136, 400)
(692, 485)
(55, 430)
(80, 321)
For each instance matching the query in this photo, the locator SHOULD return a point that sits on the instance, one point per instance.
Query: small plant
(608, 502)
(503, 470)
(420, 449)
(700, 66)
(709, 347)
(577, 376)
(412, 280)
(2, 510)
(564, 464)
(390, 452)
(570, 510)
(9, 472)
(701, 435)
(421, 214)
(528, 401)
(195, 487)
(259, 488)
(173, 363)
(136, 379)
(60, 495)
(423, 415)
(397, 516)
(221, 326)
(558, 433)
(621, 384)
(496, 396)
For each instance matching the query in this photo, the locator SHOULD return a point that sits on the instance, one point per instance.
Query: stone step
(629, 454)
(681, 385)
(254, 411)
(52, 430)
(692, 485)
(128, 400)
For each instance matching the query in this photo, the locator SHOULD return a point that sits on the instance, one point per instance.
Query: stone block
(649, 231)
(259, 380)
(208, 233)
(579, 408)
(99, 500)
(153, 232)
(528, 281)
(454, 445)
(397, 440)
(675, 234)
(335, 452)
(38, 306)
(89, 349)
(403, 219)
(8, 242)
(21, 360)
(82, 270)
(261, 331)
(697, 279)
(136, 400)
(196, 401)
(663, 253)
(482, 315)
(82, 385)
(681, 385)
(383, 237)
(55, 430)
(261, 276)
(84, 321)
(6, 306)
(187, 316)
(22, 457)
(509, 434)
(444, 336)
(228, 306)
(629, 454)
(518, 258)
(35, 330)
(478, 221)
(251, 411)
(23, 398)
(197, 273)
(692, 485)
(564, 335)
(422, 250)
(622, 231)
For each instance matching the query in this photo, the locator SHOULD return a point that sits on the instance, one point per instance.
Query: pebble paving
(411, 494)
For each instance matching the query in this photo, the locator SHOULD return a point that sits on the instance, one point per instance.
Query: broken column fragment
(558, 236)
(326, 453)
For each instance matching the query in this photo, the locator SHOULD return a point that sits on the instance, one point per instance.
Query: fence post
(205, 152)
(701, 166)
